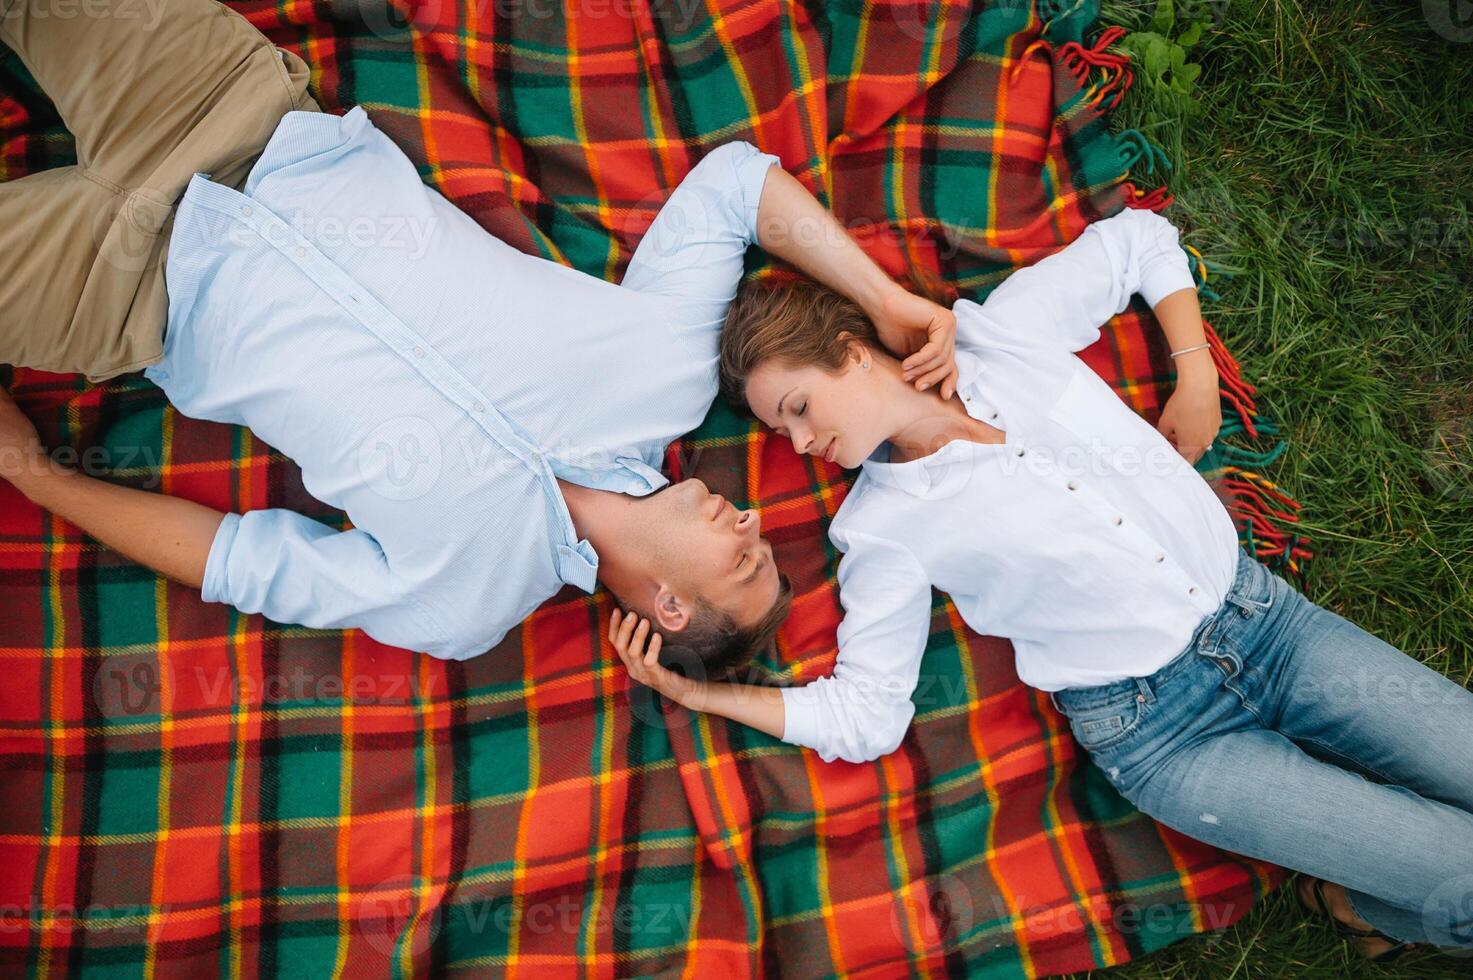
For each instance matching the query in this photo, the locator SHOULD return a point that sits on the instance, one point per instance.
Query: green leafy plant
(1159, 55)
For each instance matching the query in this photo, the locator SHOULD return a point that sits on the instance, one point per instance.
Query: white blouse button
(246, 210)
(476, 407)
(1192, 590)
(1117, 520)
(1020, 450)
(1160, 557)
(1073, 485)
(966, 398)
(993, 415)
(301, 251)
(419, 352)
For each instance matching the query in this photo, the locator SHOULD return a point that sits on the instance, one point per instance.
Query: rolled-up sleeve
(1064, 298)
(293, 569)
(695, 247)
(863, 710)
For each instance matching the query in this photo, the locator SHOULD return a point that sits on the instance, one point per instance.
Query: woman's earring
(865, 365)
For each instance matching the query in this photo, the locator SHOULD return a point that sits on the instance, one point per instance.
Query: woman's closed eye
(801, 409)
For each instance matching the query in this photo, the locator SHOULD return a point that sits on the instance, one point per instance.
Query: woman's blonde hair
(798, 324)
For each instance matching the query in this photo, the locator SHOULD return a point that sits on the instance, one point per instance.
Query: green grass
(1327, 132)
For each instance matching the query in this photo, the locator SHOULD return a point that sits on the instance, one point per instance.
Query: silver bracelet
(1188, 350)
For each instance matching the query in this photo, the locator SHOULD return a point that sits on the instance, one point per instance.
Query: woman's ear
(854, 348)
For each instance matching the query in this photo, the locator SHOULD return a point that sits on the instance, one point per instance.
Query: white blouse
(1083, 537)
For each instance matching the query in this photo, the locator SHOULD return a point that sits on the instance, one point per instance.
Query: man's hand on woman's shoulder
(923, 334)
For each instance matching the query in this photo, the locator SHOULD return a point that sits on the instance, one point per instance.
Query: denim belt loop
(1144, 687)
(1055, 702)
(1238, 595)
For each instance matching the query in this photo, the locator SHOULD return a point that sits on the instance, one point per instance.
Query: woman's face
(839, 417)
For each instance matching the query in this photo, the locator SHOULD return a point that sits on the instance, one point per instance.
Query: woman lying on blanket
(1213, 696)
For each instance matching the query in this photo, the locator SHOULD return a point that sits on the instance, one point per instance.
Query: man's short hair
(713, 639)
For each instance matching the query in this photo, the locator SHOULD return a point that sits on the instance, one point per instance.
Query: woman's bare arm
(753, 705)
(1192, 416)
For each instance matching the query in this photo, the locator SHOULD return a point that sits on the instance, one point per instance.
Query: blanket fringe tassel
(1115, 75)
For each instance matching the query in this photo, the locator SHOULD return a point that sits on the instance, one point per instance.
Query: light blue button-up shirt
(432, 381)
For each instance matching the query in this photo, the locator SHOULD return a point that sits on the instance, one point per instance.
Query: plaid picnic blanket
(189, 791)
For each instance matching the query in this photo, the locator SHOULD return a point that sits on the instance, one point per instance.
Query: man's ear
(672, 613)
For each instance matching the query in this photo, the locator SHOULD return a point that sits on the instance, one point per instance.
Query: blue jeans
(1286, 733)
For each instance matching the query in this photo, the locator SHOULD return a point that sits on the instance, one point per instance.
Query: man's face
(713, 550)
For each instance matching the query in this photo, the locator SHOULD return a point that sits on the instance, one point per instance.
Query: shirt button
(993, 415)
(966, 398)
(1117, 520)
(477, 407)
(1192, 590)
(1160, 558)
(419, 352)
(246, 210)
(1020, 450)
(301, 251)
(1073, 485)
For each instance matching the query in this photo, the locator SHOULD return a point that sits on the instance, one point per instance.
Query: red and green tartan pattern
(189, 791)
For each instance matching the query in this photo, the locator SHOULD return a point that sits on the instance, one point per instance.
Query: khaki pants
(154, 91)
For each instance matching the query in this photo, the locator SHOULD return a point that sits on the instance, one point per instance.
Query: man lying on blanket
(492, 422)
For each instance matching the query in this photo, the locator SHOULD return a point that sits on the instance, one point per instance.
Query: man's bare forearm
(168, 534)
(792, 225)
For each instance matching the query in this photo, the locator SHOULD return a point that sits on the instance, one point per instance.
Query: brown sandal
(1347, 930)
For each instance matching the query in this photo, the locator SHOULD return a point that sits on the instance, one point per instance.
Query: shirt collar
(969, 368)
(941, 474)
(944, 472)
(578, 565)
